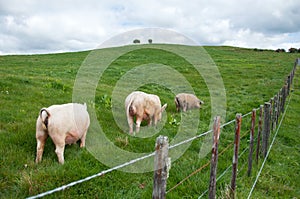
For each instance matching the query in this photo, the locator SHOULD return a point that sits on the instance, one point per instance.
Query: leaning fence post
(214, 158)
(161, 161)
(266, 131)
(259, 132)
(235, 153)
(253, 118)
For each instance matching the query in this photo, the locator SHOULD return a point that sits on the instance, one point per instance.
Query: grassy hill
(30, 82)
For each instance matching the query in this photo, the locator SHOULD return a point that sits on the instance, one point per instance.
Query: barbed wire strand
(265, 159)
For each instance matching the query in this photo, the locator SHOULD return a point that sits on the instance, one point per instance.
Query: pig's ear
(163, 107)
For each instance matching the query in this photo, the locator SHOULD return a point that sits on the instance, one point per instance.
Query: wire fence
(281, 96)
(265, 159)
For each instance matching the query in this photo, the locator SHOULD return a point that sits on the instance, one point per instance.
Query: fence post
(235, 154)
(288, 81)
(279, 105)
(275, 109)
(271, 113)
(294, 68)
(160, 167)
(214, 158)
(295, 64)
(284, 93)
(259, 132)
(253, 118)
(266, 131)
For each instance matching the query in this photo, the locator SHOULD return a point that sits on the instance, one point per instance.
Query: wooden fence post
(253, 118)
(160, 167)
(275, 109)
(279, 103)
(284, 95)
(266, 131)
(288, 81)
(278, 106)
(294, 68)
(271, 113)
(235, 154)
(259, 132)
(295, 64)
(214, 158)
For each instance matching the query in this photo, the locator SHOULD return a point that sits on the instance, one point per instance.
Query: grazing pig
(185, 101)
(145, 107)
(65, 124)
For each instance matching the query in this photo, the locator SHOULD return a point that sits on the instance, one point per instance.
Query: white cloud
(32, 26)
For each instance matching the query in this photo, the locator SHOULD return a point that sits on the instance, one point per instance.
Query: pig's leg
(60, 153)
(41, 137)
(130, 123)
(82, 143)
(138, 123)
(59, 141)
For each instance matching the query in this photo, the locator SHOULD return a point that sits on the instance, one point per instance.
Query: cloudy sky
(42, 26)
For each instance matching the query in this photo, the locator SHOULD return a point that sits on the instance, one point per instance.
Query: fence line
(265, 159)
(269, 109)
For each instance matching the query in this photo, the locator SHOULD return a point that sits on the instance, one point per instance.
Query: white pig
(145, 107)
(65, 124)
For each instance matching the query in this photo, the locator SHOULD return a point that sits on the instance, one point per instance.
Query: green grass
(28, 83)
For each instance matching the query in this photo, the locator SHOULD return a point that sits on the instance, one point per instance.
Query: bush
(293, 50)
(280, 50)
(136, 41)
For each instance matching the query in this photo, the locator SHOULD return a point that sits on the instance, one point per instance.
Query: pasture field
(30, 82)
